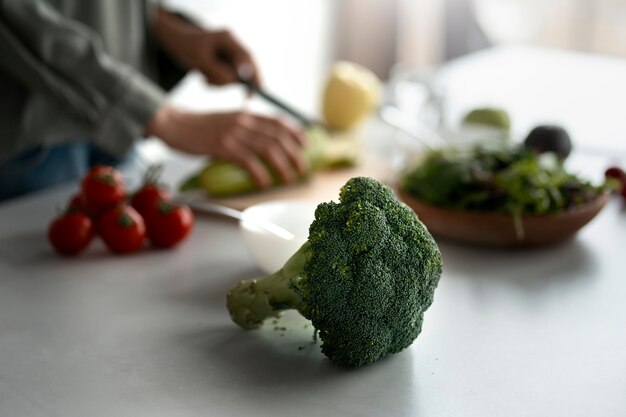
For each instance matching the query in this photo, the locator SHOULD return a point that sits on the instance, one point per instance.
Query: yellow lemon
(351, 93)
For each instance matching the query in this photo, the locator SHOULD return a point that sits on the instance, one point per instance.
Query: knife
(244, 77)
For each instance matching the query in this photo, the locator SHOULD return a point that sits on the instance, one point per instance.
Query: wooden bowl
(497, 229)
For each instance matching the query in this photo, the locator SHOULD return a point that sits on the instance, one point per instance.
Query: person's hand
(239, 137)
(219, 55)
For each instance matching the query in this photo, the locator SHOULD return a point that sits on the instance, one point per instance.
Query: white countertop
(533, 332)
(510, 333)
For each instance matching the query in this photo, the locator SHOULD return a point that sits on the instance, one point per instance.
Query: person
(80, 81)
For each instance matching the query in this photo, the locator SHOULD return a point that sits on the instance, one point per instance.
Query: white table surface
(525, 333)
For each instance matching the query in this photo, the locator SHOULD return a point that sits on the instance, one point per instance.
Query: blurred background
(416, 33)
(541, 73)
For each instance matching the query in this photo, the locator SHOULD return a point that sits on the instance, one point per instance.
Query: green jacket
(77, 69)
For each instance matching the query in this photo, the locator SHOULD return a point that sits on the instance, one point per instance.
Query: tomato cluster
(124, 222)
(618, 174)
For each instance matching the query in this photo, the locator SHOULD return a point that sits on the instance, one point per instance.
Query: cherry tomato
(169, 224)
(147, 198)
(102, 188)
(617, 173)
(122, 229)
(71, 233)
(76, 203)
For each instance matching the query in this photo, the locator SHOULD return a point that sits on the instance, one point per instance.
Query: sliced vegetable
(222, 178)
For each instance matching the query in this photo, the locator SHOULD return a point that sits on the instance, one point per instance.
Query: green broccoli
(364, 278)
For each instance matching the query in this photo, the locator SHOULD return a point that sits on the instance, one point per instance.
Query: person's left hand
(253, 141)
(219, 55)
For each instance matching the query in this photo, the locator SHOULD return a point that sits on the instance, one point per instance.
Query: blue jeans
(45, 167)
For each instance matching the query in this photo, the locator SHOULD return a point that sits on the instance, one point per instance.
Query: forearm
(172, 33)
(163, 123)
(65, 61)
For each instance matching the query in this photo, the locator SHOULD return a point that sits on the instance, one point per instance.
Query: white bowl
(270, 250)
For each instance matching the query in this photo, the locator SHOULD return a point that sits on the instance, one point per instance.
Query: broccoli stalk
(253, 301)
(364, 278)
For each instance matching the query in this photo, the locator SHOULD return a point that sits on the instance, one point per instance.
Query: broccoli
(364, 278)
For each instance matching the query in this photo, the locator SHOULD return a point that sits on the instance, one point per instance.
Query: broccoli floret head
(364, 278)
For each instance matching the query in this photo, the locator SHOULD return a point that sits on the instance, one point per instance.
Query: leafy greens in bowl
(498, 183)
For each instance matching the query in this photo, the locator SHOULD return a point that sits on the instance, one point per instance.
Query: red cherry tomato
(102, 188)
(617, 173)
(71, 233)
(147, 198)
(76, 203)
(122, 229)
(169, 224)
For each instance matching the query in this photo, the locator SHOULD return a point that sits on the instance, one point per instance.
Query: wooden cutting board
(323, 186)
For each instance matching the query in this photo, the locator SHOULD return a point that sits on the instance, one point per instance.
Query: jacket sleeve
(65, 60)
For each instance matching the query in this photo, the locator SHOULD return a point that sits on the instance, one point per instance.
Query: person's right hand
(218, 54)
(244, 138)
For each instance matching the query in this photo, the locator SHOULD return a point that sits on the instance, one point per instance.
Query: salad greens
(497, 177)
